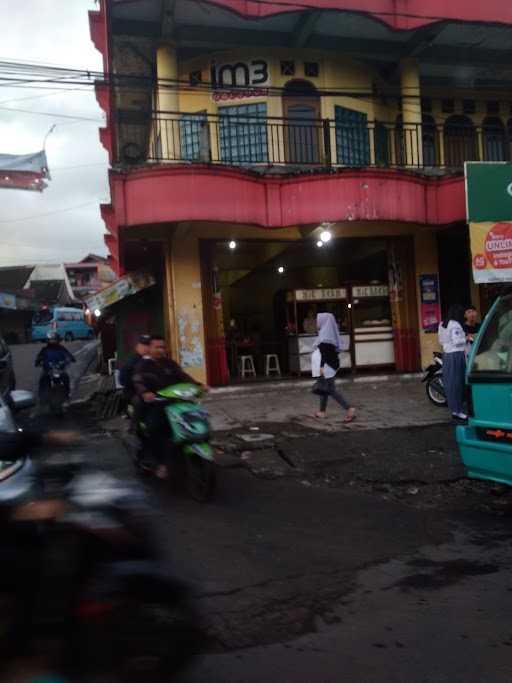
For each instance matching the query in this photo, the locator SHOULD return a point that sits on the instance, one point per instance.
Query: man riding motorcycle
(53, 354)
(152, 374)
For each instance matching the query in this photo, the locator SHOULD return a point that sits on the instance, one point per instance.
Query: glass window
(243, 135)
(460, 141)
(42, 317)
(194, 137)
(381, 144)
(430, 156)
(495, 147)
(352, 142)
(493, 354)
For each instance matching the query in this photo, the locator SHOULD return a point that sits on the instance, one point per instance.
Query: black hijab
(455, 312)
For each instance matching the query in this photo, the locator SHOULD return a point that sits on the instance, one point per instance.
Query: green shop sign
(488, 191)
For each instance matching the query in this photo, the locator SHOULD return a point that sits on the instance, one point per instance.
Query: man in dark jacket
(126, 373)
(152, 374)
(53, 354)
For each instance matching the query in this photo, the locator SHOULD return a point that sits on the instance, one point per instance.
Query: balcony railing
(270, 143)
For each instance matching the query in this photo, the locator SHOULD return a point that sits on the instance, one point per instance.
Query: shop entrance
(268, 294)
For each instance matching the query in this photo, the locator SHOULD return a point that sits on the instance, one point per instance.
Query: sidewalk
(380, 404)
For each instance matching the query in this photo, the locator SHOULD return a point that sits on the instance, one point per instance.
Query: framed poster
(430, 303)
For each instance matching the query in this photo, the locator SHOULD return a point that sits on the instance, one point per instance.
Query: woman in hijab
(328, 344)
(453, 341)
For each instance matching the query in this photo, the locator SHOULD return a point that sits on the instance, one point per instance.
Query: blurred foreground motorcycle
(82, 588)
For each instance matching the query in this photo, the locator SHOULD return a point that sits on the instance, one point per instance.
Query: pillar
(167, 142)
(411, 112)
(186, 317)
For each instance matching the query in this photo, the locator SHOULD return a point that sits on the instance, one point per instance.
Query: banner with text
(491, 250)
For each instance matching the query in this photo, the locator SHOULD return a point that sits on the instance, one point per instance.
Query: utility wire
(49, 213)
(46, 113)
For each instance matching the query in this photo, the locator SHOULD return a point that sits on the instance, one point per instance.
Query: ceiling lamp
(232, 245)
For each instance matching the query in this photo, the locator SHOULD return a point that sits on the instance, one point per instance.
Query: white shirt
(316, 361)
(452, 338)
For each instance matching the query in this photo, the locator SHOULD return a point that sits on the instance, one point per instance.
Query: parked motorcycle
(190, 431)
(433, 379)
(54, 388)
(81, 583)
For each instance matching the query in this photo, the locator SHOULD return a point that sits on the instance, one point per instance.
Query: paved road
(327, 576)
(24, 355)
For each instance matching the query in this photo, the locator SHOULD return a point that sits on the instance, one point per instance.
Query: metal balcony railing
(262, 142)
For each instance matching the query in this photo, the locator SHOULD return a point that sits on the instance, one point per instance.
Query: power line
(49, 213)
(45, 113)
(53, 93)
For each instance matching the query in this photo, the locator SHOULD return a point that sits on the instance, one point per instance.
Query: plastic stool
(272, 364)
(246, 366)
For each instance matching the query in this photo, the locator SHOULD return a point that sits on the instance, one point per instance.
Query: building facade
(89, 275)
(240, 133)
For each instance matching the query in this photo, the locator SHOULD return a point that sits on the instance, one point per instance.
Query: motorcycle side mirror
(21, 400)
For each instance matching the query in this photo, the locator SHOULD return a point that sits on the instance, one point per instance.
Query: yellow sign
(491, 251)
(125, 286)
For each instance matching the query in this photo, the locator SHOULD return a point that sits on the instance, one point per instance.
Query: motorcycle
(433, 379)
(54, 389)
(81, 586)
(190, 432)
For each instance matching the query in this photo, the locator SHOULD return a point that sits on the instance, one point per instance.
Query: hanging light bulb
(232, 245)
(325, 236)
(280, 270)
(319, 243)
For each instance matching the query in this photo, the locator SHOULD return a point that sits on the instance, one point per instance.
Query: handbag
(320, 387)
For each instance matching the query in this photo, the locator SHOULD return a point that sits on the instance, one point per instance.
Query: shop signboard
(368, 291)
(488, 192)
(491, 250)
(320, 294)
(248, 79)
(8, 301)
(430, 302)
(489, 211)
(125, 286)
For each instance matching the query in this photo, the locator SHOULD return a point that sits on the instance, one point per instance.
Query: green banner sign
(488, 192)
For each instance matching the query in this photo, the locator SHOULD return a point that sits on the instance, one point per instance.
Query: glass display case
(372, 326)
(302, 308)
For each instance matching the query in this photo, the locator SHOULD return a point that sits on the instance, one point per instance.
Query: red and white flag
(24, 171)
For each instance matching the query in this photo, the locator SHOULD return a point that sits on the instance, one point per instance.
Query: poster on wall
(430, 302)
(491, 252)
(8, 301)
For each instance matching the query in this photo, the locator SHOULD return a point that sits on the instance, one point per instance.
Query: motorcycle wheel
(56, 401)
(141, 642)
(435, 391)
(200, 475)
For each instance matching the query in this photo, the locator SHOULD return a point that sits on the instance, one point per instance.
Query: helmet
(53, 336)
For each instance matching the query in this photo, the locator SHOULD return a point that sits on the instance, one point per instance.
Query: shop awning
(24, 171)
(120, 289)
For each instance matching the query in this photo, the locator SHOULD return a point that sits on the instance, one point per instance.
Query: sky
(52, 32)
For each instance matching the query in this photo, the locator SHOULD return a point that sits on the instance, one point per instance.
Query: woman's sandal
(350, 416)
